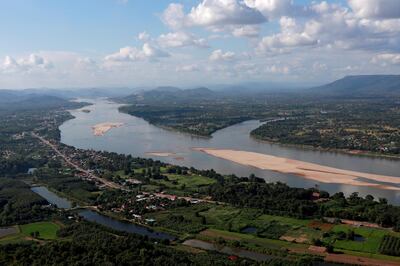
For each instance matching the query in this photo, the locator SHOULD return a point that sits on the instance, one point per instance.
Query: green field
(47, 230)
(265, 226)
(283, 220)
(372, 239)
(182, 220)
(250, 241)
(190, 182)
(229, 218)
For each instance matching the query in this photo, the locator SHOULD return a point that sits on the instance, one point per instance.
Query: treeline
(91, 244)
(274, 198)
(67, 183)
(18, 204)
(280, 199)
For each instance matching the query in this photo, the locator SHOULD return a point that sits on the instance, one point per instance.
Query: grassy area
(372, 239)
(284, 220)
(181, 220)
(250, 241)
(264, 226)
(189, 182)
(47, 230)
(369, 255)
(11, 239)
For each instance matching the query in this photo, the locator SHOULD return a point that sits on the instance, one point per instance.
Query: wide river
(139, 138)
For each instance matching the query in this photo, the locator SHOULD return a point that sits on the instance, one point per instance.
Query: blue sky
(85, 43)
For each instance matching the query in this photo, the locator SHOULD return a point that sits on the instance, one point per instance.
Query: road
(90, 175)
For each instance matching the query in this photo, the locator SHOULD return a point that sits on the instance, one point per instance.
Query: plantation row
(390, 246)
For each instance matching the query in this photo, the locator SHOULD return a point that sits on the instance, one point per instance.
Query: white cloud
(143, 36)
(188, 68)
(129, 54)
(9, 64)
(212, 14)
(376, 8)
(174, 16)
(386, 59)
(249, 31)
(278, 69)
(30, 63)
(180, 39)
(219, 55)
(291, 36)
(272, 8)
(224, 12)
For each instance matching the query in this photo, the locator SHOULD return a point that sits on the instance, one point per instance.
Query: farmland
(32, 231)
(45, 230)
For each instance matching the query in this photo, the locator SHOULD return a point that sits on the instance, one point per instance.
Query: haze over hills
(28, 102)
(16, 95)
(169, 94)
(362, 85)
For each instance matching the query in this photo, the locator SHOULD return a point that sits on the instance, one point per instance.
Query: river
(95, 217)
(138, 138)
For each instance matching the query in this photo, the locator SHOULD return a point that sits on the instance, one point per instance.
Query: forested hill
(166, 95)
(16, 101)
(363, 85)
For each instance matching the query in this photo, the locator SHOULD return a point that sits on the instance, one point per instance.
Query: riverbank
(311, 171)
(333, 150)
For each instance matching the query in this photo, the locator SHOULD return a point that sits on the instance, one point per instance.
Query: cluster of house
(149, 202)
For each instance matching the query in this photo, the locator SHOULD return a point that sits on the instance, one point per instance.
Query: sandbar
(103, 128)
(160, 154)
(311, 171)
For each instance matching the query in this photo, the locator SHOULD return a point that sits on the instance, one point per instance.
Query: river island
(102, 128)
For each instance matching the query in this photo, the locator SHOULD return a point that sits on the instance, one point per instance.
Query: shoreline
(332, 150)
(290, 145)
(309, 171)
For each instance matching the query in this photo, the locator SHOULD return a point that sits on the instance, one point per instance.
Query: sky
(189, 43)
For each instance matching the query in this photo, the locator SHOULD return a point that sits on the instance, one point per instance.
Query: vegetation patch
(345, 237)
(390, 245)
(190, 182)
(182, 219)
(40, 230)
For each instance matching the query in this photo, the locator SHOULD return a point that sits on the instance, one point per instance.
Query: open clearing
(6, 231)
(371, 243)
(47, 230)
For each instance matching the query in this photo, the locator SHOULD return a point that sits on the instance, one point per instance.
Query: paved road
(77, 167)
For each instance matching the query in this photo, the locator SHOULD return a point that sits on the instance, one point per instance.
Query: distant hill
(20, 102)
(17, 95)
(364, 85)
(165, 95)
(10, 96)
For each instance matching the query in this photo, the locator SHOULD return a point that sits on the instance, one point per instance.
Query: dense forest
(366, 125)
(280, 199)
(18, 204)
(90, 244)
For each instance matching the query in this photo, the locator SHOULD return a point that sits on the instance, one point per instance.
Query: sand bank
(311, 171)
(103, 128)
(160, 154)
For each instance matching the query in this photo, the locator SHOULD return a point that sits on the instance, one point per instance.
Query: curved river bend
(139, 138)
